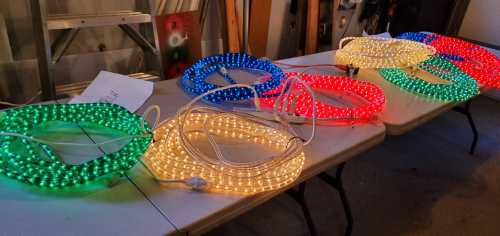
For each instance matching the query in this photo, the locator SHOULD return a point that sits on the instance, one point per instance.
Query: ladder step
(151, 76)
(56, 22)
(71, 90)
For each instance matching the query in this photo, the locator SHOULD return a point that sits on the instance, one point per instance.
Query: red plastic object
(174, 23)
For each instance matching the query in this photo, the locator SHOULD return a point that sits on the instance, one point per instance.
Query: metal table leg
(299, 196)
(466, 111)
(336, 182)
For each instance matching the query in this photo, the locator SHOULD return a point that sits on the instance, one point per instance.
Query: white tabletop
(197, 212)
(123, 209)
(120, 210)
(94, 209)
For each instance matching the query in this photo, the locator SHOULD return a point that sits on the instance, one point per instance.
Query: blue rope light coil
(427, 38)
(194, 81)
(422, 37)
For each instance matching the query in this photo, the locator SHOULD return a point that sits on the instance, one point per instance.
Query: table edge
(224, 215)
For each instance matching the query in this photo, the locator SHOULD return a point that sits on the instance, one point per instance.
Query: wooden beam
(457, 16)
(260, 13)
(233, 41)
(335, 8)
(312, 26)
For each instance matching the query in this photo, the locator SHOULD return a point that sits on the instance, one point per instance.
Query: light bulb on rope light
(173, 158)
(376, 52)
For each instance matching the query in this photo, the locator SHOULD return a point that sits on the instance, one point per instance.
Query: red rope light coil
(473, 59)
(300, 100)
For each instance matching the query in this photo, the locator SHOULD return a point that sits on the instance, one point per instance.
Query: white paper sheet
(118, 89)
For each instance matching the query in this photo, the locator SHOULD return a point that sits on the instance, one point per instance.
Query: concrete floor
(420, 183)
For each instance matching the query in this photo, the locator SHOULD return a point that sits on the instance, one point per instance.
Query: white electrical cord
(196, 153)
(53, 143)
(191, 120)
(291, 92)
(193, 151)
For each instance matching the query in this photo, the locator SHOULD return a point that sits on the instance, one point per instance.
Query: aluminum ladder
(48, 54)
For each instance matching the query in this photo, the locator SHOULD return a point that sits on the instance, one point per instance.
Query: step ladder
(48, 54)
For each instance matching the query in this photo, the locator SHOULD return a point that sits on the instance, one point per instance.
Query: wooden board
(233, 41)
(335, 8)
(312, 26)
(260, 13)
(177, 57)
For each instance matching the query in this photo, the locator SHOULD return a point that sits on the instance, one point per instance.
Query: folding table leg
(336, 182)
(299, 197)
(466, 111)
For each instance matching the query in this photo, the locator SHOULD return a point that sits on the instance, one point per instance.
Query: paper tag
(119, 89)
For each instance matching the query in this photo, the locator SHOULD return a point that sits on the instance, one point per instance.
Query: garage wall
(482, 21)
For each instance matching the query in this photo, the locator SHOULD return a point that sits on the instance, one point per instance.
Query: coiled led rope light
(422, 37)
(46, 169)
(173, 158)
(461, 87)
(194, 81)
(299, 102)
(474, 60)
(374, 52)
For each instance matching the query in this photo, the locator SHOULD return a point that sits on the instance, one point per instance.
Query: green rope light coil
(27, 165)
(460, 88)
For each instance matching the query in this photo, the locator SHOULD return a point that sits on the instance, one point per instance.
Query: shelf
(55, 22)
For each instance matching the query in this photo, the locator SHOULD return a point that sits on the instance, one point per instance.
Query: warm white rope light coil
(376, 52)
(173, 157)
